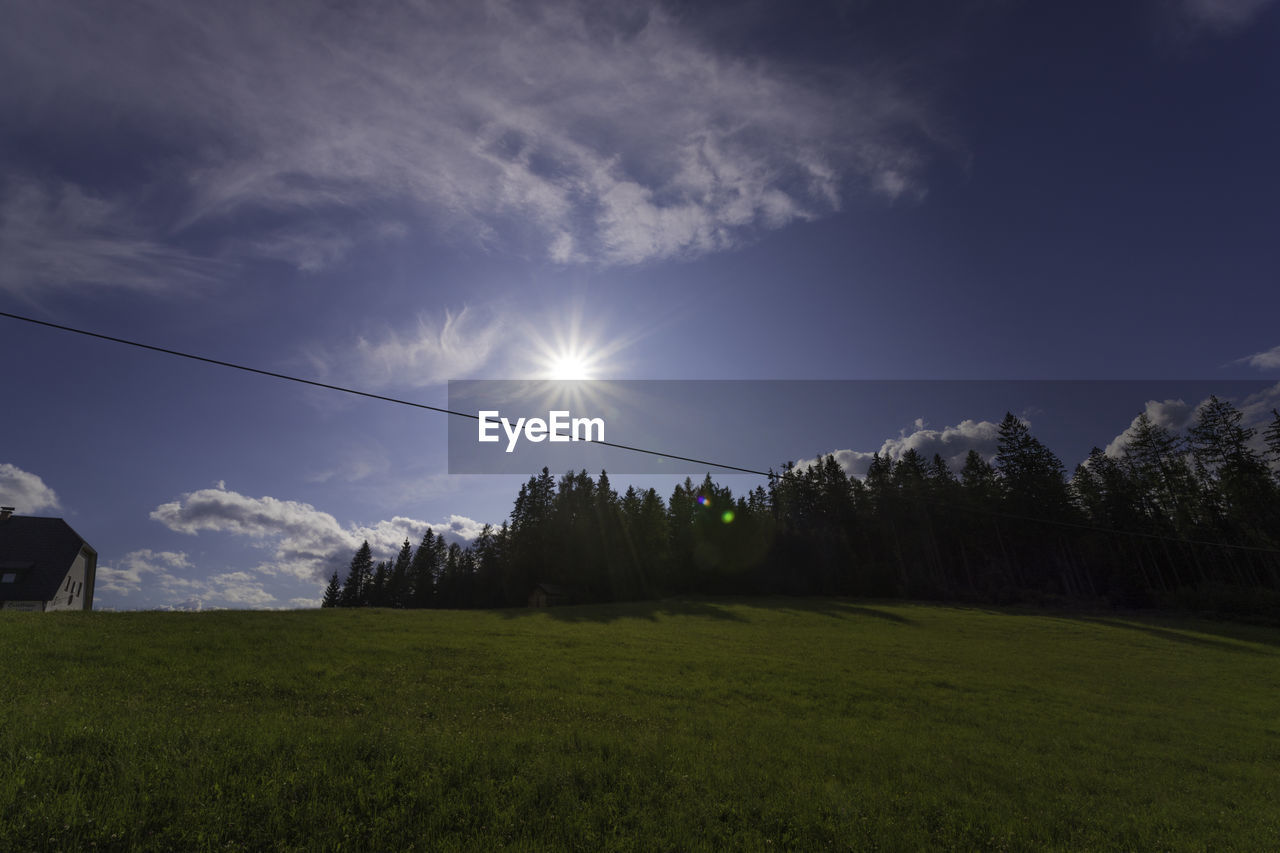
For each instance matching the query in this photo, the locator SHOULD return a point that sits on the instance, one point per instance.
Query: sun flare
(568, 365)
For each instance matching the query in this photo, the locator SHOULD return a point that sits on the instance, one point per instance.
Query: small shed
(553, 595)
(44, 564)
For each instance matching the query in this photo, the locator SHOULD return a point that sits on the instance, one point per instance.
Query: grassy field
(676, 725)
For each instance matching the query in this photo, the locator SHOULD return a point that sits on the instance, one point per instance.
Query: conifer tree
(1272, 437)
(397, 593)
(422, 572)
(355, 591)
(333, 592)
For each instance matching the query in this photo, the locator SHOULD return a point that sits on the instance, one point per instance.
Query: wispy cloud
(168, 580)
(1266, 360)
(450, 346)
(56, 236)
(128, 574)
(1223, 15)
(24, 491)
(609, 138)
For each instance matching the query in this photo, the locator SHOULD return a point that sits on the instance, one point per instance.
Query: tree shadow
(617, 611)
(1235, 638)
(838, 608)
(725, 609)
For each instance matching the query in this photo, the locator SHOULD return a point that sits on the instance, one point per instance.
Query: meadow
(744, 724)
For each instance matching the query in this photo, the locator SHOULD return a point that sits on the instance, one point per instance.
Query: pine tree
(333, 592)
(1272, 437)
(397, 594)
(422, 573)
(377, 594)
(355, 591)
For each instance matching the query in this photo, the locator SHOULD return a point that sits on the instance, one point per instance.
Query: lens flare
(727, 516)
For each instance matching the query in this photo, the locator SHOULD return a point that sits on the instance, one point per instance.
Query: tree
(397, 591)
(355, 591)
(423, 572)
(1032, 477)
(1239, 490)
(1272, 437)
(333, 592)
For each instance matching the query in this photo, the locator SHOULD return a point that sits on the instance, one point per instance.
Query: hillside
(685, 724)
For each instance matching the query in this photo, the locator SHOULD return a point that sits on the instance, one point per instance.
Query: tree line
(1172, 518)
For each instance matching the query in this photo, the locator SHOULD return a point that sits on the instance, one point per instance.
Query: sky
(388, 196)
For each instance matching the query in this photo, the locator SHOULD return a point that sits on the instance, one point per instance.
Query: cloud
(128, 574)
(1178, 416)
(597, 133)
(24, 491)
(315, 247)
(953, 443)
(1173, 415)
(308, 544)
(1267, 360)
(169, 578)
(855, 463)
(240, 589)
(438, 349)
(1223, 16)
(62, 236)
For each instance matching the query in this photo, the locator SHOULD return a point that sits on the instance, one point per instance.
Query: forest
(1172, 520)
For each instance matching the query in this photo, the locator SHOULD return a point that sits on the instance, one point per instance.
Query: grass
(678, 725)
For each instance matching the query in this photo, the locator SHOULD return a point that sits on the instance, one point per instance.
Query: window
(9, 577)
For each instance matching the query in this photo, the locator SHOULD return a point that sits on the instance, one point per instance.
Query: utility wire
(784, 475)
(345, 390)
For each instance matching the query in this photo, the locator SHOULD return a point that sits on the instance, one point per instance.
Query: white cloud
(130, 573)
(953, 443)
(461, 528)
(854, 462)
(454, 346)
(601, 137)
(308, 544)
(168, 580)
(1173, 415)
(1266, 360)
(1178, 416)
(24, 491)
(240, 589)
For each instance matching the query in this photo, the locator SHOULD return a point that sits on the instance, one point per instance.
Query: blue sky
(389, 196)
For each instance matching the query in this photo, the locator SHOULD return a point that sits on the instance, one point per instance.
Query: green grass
(680, 725)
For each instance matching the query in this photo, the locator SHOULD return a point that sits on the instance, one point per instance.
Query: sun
(569, 365)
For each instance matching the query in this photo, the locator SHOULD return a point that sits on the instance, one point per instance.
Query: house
(44, 564)
(552, 595)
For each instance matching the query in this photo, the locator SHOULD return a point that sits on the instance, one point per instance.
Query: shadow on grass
(650, 610)
(1234, 636)
(836, 608)
(723, 609)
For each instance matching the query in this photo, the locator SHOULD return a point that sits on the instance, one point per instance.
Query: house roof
(40, 551)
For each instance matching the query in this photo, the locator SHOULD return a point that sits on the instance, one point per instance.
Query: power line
(345, 390)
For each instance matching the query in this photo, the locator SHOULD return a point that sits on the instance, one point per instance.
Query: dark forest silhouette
(1178, 520)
